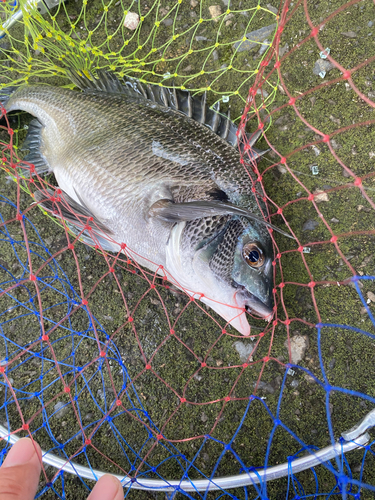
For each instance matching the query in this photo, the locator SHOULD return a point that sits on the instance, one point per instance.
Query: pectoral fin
(176, 212)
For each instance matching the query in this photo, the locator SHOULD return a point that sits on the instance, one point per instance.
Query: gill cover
(219, 276)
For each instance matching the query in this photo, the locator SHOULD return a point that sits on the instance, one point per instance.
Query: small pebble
(263, 386)
(310, 225)
(349, 34)
(168, 22)
(309, 378)
(254, 38)
(298, 346)
(283, 50)
(131, 21)
(244, 350)
(369, 24)
(320, 195)
(215, 11)
(371, 296)
(60, 409)
(194, 3)
(204, 417)
(265, 45)
(272, 8)
(322, 65)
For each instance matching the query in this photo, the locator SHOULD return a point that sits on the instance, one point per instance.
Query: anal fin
(78, 216)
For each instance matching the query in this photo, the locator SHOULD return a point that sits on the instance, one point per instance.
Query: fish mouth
(252, 304)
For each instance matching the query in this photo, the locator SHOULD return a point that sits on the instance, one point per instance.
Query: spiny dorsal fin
(177, 99)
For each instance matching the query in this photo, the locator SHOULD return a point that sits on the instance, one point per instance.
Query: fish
(158, 174)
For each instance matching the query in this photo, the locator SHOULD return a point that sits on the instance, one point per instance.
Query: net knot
(333, 239)
(358, 181)
(281, 285)
(84, 302)
(130, 319)
(277, 64)
(45, 338)
(70, 246)
(314, 31)
(183, 400)
(67, 389)
(311, 284)
(148, 367)
(292, 101)
(118, 402)
(346, 74)
(102, 354)
(266, 359)
(283, 160)
(25, 427)
(227, 399)
(32, 277)
(203, 365)
(171, 331)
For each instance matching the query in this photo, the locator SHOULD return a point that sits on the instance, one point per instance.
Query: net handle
(240, 480)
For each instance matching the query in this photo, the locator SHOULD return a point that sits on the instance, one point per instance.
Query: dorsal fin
(174, 98)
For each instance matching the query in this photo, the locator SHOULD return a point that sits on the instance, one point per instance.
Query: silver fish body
(159, 181)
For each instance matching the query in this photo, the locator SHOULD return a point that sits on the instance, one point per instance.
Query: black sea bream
(160, 172)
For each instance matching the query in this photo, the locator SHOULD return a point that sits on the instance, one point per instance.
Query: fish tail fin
(5, 94)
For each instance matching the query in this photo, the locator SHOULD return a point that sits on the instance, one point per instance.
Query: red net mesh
(106, 366)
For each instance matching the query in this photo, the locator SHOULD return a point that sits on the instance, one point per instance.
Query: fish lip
(253, 304)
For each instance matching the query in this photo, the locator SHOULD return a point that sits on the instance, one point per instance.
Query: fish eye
(253, 255)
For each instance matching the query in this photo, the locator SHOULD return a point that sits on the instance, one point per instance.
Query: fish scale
(154, 169)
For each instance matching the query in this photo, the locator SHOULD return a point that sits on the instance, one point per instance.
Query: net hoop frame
(227, 482)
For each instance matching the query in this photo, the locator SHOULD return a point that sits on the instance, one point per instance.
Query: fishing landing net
(107, 366)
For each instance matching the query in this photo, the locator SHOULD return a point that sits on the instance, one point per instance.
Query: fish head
(230, 269)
